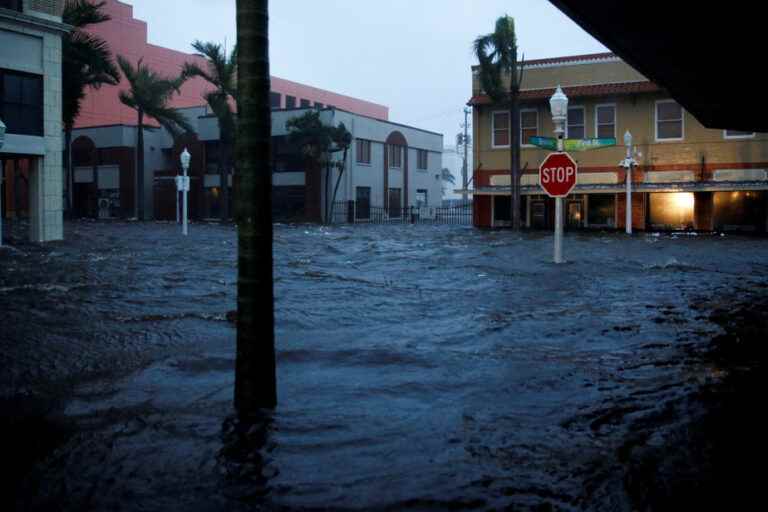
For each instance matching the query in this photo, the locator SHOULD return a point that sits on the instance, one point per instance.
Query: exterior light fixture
(558, 104)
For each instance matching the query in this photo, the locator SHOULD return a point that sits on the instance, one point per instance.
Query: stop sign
(557, 174)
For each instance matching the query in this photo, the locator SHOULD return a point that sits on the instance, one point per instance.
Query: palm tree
(148, 95)
(447, 176)
(220, 72)
(86, 63)
(255, 383)
(497, 54)
(317, 142)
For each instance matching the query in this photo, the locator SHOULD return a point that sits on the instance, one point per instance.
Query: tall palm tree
(86, 63)
(497, 54)
(149, 95)
(221, 73)
(255, 381)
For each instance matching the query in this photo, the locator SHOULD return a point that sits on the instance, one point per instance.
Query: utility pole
(465, 141)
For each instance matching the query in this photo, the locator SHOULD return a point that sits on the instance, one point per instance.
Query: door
(538, 214)
(502, 214)
(575, 215)
(363, 203)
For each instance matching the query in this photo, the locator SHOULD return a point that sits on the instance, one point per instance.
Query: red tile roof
(577, 91)
(566, 59)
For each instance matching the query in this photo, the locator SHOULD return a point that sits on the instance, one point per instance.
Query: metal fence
(349, 212)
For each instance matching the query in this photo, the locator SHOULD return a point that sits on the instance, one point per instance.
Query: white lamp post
(185, 159)
(2, 175)
(627, 163)
(558, 103)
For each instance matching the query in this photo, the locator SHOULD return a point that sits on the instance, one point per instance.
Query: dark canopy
(710, 57)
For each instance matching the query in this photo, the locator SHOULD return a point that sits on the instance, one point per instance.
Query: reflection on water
(418, 367)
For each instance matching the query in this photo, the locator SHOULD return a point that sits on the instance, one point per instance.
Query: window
(304, 103)
(736, 134)
(395, 156)
(394, 205)
(529, 125)
(576, 123)
(421, 197)
(500, 129)
(290, 101)
(422, 159)
(318, 105)
(363, 151)
(21, 103)
(363, 203)
(275, 99)
(605, 121)
(669, 120)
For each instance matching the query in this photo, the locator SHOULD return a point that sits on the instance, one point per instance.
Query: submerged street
(419, 367)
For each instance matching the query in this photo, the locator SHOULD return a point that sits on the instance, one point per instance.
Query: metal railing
(349, 212)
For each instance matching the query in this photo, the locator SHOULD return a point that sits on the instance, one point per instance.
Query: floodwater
(419, 367)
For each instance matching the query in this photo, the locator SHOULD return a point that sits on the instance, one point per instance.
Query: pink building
(127, 36)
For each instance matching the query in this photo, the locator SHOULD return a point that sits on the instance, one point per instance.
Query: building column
(703, 211)
(45, 199)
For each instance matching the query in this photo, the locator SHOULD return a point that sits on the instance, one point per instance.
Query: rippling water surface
(419, 367)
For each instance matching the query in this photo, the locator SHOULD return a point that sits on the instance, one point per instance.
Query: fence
(349, 212)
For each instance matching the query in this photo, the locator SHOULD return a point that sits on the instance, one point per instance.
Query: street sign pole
(559, 215)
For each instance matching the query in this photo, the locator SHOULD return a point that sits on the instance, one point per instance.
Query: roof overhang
(707, 58)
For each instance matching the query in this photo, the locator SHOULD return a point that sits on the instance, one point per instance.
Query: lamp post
(558, 104)
(2, 176)
(627, 163)
(185, 159)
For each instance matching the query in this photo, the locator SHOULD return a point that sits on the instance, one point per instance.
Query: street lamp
(558, 103)
(2, 175)
(185, 159)
(627, 164)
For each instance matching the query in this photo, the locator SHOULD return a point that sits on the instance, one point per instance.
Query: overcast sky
(412, 55)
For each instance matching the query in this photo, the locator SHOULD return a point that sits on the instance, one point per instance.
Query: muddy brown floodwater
(419, 368)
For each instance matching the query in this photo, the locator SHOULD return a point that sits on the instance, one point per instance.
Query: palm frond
(81, 13)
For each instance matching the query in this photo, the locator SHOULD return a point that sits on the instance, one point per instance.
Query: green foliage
(149, 94)
(497, 55)
(316, 140)
(86, 59)
(446, 175)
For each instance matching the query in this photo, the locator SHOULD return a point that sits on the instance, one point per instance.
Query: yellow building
(687, 176)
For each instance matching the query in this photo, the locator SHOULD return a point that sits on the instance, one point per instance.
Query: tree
(220, 72)
(318, 142)
(255, 382)
(447, 176)
(497, 54)
(86, 63)
(149, 95)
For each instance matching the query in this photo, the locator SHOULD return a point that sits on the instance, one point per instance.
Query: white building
(30, 107)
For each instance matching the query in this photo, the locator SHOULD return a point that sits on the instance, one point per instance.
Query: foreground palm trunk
(255, 385)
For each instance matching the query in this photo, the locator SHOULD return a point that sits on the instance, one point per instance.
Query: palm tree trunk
(68, 164)
(140, 168)
(255, 381)
(338, 181)
(514, 160)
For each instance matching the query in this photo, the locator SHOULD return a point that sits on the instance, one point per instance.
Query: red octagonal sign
(557, 174)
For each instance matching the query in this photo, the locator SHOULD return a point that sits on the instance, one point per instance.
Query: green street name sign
(572, 144)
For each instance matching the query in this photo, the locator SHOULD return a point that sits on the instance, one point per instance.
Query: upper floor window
(422, 159)
(529, 125)
(500, 129)
(275, 99)
(669, 120)
(395, 156)
(736, 134)
(21, 103)
(290, 101)
(605, 121)
(318, 105)
(576, 123)
(304, 103)
(363, 151)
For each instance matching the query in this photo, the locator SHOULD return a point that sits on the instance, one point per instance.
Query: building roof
(708, 59)
(568, 59)
(578, 91)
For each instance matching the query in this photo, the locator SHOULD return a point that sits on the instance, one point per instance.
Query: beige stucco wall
(635, 113)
